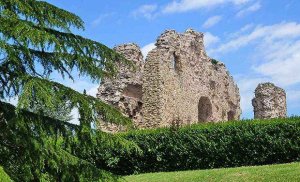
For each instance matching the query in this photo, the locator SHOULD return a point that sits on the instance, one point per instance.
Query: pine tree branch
(49, 93)
(88, 52)
(41, 13)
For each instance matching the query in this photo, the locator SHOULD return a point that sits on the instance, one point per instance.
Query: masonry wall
(152, 92)
(177, 82)
(187, 86)
(269, 102)
(125, 90)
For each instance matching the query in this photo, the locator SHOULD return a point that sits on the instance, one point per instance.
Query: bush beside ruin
(205, 146)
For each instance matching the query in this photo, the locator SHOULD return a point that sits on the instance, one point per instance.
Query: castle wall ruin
(125, 90)
(177, 81)
(181, 82)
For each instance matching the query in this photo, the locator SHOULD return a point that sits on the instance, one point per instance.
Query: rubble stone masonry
(269, 102)
(177, 82)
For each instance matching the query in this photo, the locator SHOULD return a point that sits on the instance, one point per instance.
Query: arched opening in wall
(133, 91)
(204, 109)
(230, 115)
(175, 63)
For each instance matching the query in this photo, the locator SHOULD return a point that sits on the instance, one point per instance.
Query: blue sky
(258, 40)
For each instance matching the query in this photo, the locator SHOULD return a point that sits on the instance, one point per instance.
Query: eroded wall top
(178, 81)
(182, 83)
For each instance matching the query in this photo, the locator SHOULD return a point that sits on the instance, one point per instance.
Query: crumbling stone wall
(182, 83)
(269, 102)
(125, 90)
(178, 81)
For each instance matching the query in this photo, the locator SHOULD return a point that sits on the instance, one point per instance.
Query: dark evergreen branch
(50, 93)
(67, 43)
(41, 13)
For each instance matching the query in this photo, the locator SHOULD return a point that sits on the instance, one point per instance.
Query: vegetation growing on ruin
(214, 61)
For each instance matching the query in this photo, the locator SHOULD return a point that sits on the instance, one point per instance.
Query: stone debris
(178, 81)
(269, 102)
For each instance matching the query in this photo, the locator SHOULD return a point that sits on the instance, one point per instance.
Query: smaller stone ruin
(269, 102)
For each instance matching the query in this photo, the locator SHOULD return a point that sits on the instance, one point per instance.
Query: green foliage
(35, 41)
(214, 62)
(208, 146)
(38, 148)
(266, 173)
(61, 110)
(3, 176)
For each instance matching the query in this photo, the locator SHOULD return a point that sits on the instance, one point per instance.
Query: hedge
(206, 146)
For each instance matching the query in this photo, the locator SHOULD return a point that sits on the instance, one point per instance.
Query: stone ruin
(125, 91)
(176, 82)
(269, 102)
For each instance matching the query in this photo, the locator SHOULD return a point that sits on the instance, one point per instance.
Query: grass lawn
(270, 173)
(3, 176)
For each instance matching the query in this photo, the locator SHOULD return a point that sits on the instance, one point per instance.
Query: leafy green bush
(207, 146)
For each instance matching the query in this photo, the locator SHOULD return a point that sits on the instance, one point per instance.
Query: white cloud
(100, 18)
(262, 34)
(247, 86)
(278, 48)
(147, 48)
(187, 5)
(151, 11)
(212, 21)
(277, 58)
(210, 39)
(92, 91)
(148, 11)
(241, 31)
(254, 7)
(282, 62)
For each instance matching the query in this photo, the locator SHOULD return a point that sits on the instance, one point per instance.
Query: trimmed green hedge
(206, 146)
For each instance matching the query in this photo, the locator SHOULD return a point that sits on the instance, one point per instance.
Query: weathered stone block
(269, 102)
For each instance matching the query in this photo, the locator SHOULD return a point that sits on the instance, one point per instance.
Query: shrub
(207, 146)
(214, 62)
